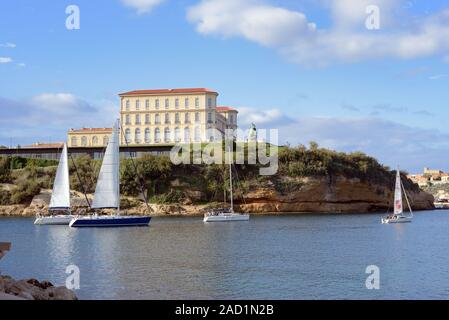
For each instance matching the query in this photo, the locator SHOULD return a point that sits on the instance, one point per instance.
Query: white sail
(398, 208)
(107, 191)
(60, 197)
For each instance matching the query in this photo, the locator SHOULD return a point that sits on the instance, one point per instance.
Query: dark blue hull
(109, 222)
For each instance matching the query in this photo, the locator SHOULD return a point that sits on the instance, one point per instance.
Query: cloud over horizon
(302, 41)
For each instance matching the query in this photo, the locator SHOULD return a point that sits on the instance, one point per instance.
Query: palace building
(169, 116)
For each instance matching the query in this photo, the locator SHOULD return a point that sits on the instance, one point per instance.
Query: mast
(230, 180)
(118, 168)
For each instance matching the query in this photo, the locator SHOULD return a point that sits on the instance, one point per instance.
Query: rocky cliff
(314, 195)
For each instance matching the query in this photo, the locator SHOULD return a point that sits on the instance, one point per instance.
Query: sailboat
(398, 216)
(60, 197)
(227, 214)
(107, 192)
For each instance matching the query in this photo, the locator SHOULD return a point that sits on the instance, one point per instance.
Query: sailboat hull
(109, 221)
(226, 217)
(396, 220)
(54, 220)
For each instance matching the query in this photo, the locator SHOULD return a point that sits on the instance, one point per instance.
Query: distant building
(432, 172)
(88, 137)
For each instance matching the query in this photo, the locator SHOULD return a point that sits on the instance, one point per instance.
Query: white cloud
(5, 59)
(21, 64)
(437, 76)
(266, 118)
(51, 115)
(297, 38)
(7, 45)
(142, 6)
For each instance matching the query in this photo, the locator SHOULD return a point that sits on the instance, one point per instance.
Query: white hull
(54, 220)
(226, 217)
(396, 220)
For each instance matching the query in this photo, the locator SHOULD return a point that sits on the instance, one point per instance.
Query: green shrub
(5, 197)
(174, 196)
(25, 192)
(5, 170)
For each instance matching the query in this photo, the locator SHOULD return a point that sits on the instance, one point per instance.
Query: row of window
(157, 118)
(157, 103)
(156, 135)
(84, 141)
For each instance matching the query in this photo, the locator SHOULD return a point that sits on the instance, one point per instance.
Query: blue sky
(309, 68)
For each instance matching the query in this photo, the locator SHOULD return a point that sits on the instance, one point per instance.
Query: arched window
(186, 134)
(147, 135)
(74, 141)
(157, 135)
(95, 140)
(105, 140)
(177, 134)
(128, 135)
(197, 134)
(84, 141)
(157, 119)
(167, 134)
(137, 135)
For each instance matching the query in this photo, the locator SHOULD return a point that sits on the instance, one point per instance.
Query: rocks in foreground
(32, 289)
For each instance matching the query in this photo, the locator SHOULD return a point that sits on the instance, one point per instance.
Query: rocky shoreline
(310, 195)
(32, 289)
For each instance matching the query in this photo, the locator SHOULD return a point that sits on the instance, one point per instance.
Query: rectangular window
(177, 118)
(197, 117)
(127, 121)
(197, 102)
(167, 103)
(231, 118)
(137, 105)
(147, 104)
(167, 118)
(147, 119)
(177, 103)
(209, 117)
(157, 103)
(186, 102)
(127, 105)
(209, 102)
(187, 117)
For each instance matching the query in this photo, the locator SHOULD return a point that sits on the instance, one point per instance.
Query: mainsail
(398, 208)
(60, 197)
(107, 191)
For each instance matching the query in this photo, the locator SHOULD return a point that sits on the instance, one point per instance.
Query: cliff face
(318, 195)
(315, 195)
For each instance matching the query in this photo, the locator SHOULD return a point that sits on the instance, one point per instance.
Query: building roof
(167, 91)
(225, 108)
(39, 145)
(91, 130)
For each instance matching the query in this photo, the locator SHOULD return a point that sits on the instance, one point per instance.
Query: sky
(310, 68)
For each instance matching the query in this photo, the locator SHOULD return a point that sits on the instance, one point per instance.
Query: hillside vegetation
(167, 183)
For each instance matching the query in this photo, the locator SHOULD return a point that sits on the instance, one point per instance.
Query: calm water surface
(271, 257)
